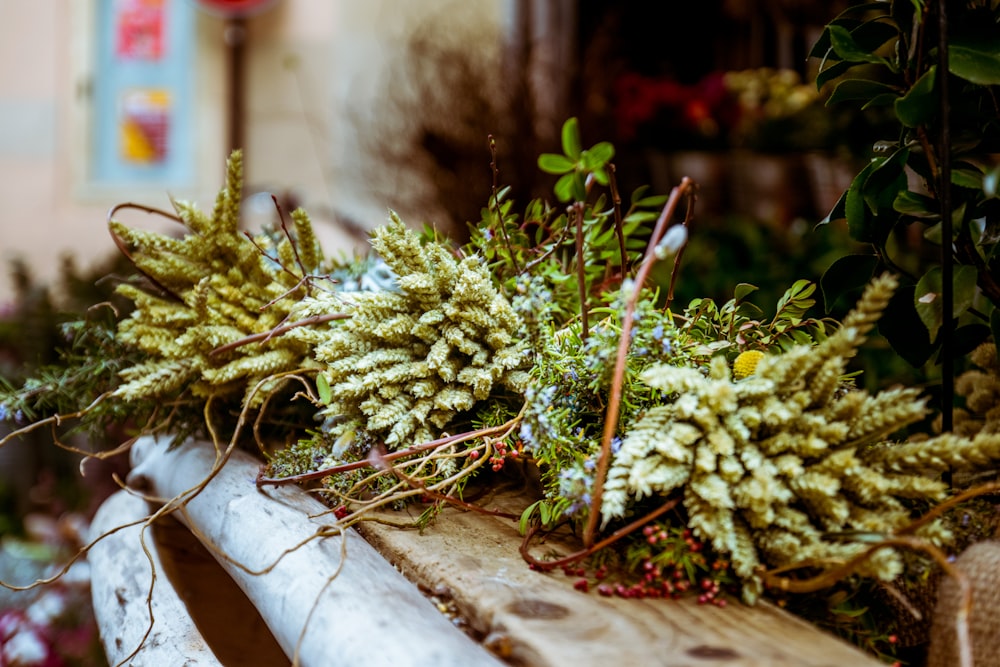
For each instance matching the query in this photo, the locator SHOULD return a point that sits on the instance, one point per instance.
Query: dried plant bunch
(980, 387)
(786, 466)
(410, 360)
(211, 289)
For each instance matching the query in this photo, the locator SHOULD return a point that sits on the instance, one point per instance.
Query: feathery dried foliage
(981, 389)
(786, 466)
(409, 361)
(215, 287)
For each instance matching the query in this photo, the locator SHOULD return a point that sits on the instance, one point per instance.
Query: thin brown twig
(615, 394)
(277, 331)
(616, 200)
(676, 270)
(355, 465)
(120, 244)
(547, 565)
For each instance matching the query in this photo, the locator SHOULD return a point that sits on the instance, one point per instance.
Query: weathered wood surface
(540, 620)
(356, 610)
(529, 618)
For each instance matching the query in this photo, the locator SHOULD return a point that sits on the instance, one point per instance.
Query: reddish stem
(615, 397)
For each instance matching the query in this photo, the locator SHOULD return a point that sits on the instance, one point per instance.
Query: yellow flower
(746, 363)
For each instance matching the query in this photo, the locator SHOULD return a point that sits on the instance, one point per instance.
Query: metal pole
(235, 40)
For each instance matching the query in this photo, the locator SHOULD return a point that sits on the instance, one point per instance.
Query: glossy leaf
(928, 297)
(920, 104)
(860, 89)
(975, 61)
(845, 46)
(845, 275)
(903, 329)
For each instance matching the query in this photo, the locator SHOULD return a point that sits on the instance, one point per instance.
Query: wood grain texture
(540, 620)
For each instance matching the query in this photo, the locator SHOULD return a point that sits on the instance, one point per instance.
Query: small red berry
(581, 585)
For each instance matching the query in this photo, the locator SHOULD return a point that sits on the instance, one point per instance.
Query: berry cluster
(669, 563)
(500, 454)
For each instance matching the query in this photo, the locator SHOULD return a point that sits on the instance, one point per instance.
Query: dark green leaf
(854, 207)
(860, 89)
(967, 178)
(967, 338)
(920, 102)
(975, 61)
(846, 274)
(916, 205)
(847, 48)
(832, 72)
(928, 298)
(903, 329)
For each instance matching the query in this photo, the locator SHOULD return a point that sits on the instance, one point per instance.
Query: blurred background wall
(346, 108)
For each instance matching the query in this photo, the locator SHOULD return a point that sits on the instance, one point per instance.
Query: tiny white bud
(671, 242)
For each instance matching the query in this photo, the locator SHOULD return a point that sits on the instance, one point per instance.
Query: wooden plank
(351, 610)
(539, 620)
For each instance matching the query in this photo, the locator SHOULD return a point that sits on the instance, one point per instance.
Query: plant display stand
(358, 597)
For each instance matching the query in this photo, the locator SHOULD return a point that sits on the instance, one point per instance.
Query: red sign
(235, 8)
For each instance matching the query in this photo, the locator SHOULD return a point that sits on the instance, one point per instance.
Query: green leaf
(522, 524)
(743, 290)
(904, 330)
(967, 338)
(564, 187)
(571, 139)
(860, 89)
(553, 163)
(920, 102)
(916, 205)
(976, 61)
(844, 45)
(323, 389)
(832, 72)
(967, 178)
(598, 155)
(928, 296)
(846, 274)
